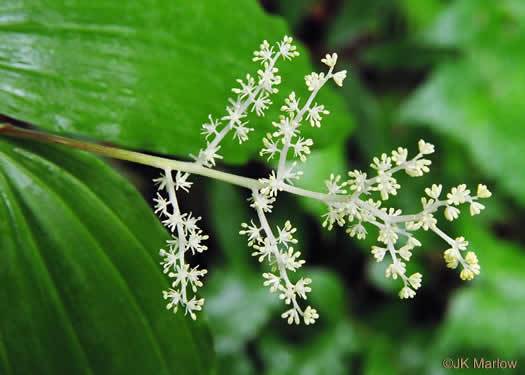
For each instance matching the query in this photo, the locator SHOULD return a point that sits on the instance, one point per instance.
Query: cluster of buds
(277, 247)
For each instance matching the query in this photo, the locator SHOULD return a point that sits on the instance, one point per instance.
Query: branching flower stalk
(349, 201)
(343, 198)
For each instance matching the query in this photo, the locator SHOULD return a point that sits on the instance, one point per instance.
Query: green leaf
(478, 98)
(465, 23)
(381, 357)
(358, 18)
(326, 353)
(420, 14)
(145, 73)
(238, 306)
(328, 294)
(80, 278)
(296, 11)
(228, 210)
(400, 54)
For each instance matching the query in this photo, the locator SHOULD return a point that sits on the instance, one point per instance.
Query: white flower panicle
(349, 201)
(396, 230)
(252, 95)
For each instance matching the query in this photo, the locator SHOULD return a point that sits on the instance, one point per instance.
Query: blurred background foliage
(451, 72)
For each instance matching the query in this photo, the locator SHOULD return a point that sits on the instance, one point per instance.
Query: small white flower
(181, 181)
(301, 148)
(425, 148)
(285, 235)
(193, 278)
(268, 78)
(458, 195)
(289, 173)
(265, 53)
(289, 259)
(339, 77)
(314, 81)
(406, 292)
(287, 294)
(334, 215)
(428, 221)
(415, 280)
(475, 208)
(161, 205)
(252, 231)
(330, 60)
(395, 269)
(314, 115)
(271, 185)
(357, 181)
(292, 316)
(358, 231)
(194, 242)
(162, 181)
(190, 223)
(301, 287)
(287, 128)
(291, 104)
(451, 257)
(413, 242)
(194, 305)
(270, 146)
(471, 258)
(246, 88)
(180, 275)
(210, 128)
(310, 315)
(333, 185)
(379, 253)
(262, 201)
(263, 251)
(451, 213)
(399, 156)
(387, 234)
(435, 191)
(382, 165)
(173, 220)
(417, 168)
(235, 112)
(405, 252)
(272, 281)
(170, 258)
(261, 104)
(241, 132)
(287, 49)
(174, 298)
(461, 243)
(208, 156)
(483, 192)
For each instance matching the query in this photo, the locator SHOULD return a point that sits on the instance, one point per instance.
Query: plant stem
(136, 157)
(150, 160)
(194, 168)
